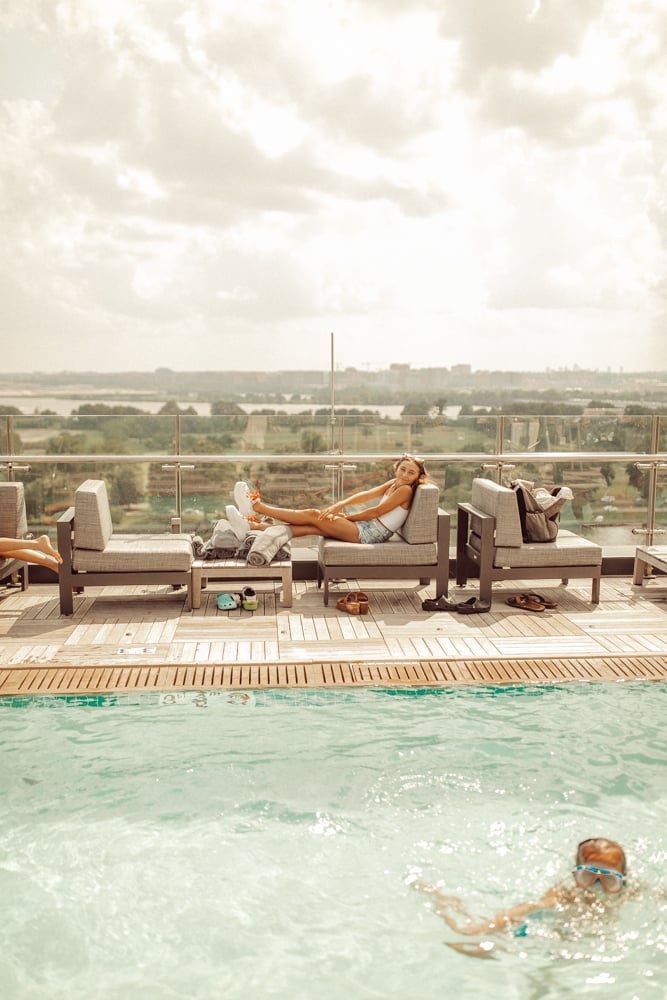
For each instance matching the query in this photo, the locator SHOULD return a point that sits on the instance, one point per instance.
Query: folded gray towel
(267, 544)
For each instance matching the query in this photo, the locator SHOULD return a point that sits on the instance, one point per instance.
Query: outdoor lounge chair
(420, 551)
(489, 542)
(93, 556)
(13, 524)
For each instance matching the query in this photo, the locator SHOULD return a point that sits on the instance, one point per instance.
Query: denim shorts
(373, 532)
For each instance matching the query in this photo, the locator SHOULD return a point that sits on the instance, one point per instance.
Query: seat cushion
(92, 516)
(391, 553)
(421, 524)
(499, 501)
(568, 549)
(13, 521)
(134, 553)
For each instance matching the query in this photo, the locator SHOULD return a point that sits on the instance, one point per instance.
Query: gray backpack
(539, 522)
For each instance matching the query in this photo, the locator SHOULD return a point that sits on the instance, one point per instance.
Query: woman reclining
(373, 524)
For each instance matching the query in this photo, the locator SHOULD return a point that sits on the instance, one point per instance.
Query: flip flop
(521, 601)
(441, 604)
(349, 603)
(546, 601)
(226, 602)
(473, 607)
(464, 604)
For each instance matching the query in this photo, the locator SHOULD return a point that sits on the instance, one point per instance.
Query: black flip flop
(441, 604)
(473, 607)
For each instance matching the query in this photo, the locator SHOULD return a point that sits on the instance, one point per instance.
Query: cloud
(515, 34)
(186, 173)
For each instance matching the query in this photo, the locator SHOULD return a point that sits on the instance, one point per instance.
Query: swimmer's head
(602, 852)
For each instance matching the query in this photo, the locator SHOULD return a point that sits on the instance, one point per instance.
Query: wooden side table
(649, 555)
(233, 569)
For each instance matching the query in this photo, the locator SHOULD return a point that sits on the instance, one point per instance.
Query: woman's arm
(401, 497)
(357, 498)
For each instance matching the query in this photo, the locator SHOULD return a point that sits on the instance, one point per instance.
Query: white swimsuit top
(393, 519)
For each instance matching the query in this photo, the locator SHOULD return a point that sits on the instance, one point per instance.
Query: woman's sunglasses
(413, 458)
(586, 876)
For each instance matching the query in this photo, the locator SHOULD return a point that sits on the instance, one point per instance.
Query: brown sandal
(546, 601)
(363, 602)
(523, 602)
(349, 603)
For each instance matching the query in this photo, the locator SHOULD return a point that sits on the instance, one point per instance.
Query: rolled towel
(267, 544)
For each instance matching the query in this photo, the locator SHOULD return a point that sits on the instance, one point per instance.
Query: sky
(223, 184)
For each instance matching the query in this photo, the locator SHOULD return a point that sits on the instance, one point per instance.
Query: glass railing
(158, 467)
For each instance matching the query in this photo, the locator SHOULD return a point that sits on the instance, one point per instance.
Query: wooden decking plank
(164, 676)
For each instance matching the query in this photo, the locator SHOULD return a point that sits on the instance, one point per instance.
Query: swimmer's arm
(500, 921)
(442, 904)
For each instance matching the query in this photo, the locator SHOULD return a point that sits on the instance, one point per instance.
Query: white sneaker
(238, 522)
(243, 501)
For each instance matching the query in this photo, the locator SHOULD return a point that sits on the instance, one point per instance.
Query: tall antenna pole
(335, 470)
(332, 413)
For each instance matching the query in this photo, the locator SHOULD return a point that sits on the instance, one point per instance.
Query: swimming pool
(228, 844)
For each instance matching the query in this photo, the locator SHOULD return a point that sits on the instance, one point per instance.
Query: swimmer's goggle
(586, 876)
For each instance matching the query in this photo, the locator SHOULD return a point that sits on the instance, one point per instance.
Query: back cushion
(501, 503)
(13, 522)
(92, 517)
(421, 524)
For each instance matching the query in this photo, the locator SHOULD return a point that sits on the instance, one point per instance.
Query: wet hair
(423, 476)
(603, 845)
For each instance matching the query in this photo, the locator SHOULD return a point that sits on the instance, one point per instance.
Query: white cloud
(436, 183)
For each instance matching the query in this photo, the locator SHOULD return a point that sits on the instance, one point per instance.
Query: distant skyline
(223, 183)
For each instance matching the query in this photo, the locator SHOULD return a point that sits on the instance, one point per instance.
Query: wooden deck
(129, 639)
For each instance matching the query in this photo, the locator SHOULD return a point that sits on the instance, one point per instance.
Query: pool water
(257, 844)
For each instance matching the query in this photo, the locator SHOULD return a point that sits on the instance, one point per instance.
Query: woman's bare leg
(310, 521)
(41, 544)
(328, 527)
(286, 514)
(33, 550)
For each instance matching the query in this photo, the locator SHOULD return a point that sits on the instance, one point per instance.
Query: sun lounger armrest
(443, 533)
(64, 535)
(64, 529)
(472, 521)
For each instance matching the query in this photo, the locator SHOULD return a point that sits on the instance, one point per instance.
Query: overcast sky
(223, 183)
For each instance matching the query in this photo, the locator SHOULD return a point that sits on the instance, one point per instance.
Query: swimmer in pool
(600, 871)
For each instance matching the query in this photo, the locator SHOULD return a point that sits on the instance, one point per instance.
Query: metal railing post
(652, 468)
(10, 466)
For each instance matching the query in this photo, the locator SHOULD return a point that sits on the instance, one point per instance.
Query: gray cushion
(133, 553)
(421, 524)
(13, 521)
(499, 501)
(567, 549)
(414, 545)
(92, 516)
(391, 553)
